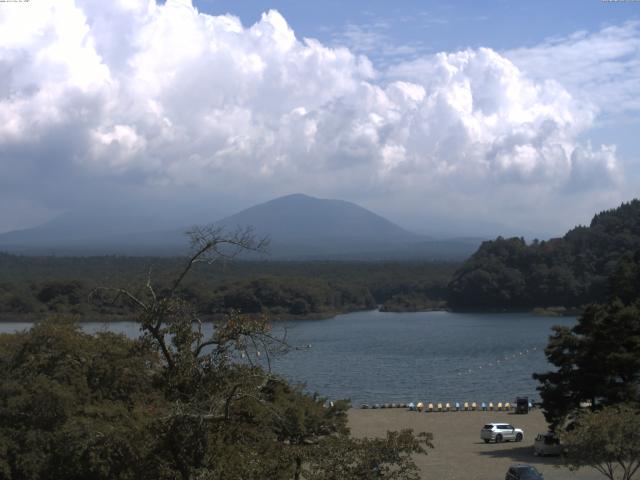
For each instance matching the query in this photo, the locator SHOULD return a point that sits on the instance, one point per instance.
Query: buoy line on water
(440, 407)
(504, 360)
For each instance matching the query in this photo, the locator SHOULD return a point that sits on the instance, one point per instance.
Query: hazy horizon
(118, 219)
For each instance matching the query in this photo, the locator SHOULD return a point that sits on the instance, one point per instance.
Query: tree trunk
(298, 468)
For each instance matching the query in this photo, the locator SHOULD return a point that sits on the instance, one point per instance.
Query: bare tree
(175, 329)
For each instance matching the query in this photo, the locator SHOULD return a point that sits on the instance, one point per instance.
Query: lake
(382, 357)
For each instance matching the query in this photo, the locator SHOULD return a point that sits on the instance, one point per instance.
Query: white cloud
(164, 95)
(374, 39)
(483, 117)
(602, 68)
(117, 145)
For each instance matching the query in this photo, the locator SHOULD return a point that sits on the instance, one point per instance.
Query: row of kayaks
(446, 407)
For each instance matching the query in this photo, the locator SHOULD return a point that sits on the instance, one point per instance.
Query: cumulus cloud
(164, 95)
(483, 115)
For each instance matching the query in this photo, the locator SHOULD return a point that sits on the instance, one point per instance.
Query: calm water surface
(378, 357)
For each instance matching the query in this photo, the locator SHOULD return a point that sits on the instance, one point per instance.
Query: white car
(500, 432)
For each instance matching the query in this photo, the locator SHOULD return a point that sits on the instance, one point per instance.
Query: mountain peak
(301, 199)
(302, 219)
(295, 196)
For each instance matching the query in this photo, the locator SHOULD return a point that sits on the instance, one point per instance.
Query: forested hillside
(570, 271)
(32, 286)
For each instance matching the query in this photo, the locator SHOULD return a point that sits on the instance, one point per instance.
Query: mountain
(91, 232)
(302, 224)
(570, 271)
(299, 227)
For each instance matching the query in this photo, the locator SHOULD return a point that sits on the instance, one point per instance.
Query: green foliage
(569, 271)
(598, 359)
(174, 404)
(73, 405)
(607, 440)
(283, 297)
(411, 302)
(625, 281)
(365, 459)
(32, 286)
(76, 406)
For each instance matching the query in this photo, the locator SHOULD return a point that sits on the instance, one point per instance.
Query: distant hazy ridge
(299, 227)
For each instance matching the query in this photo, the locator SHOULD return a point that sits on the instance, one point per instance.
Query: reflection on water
(380, 357)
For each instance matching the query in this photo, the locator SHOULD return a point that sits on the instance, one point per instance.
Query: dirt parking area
(459, 453)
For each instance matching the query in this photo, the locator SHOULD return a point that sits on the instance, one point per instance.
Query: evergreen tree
(598, 360)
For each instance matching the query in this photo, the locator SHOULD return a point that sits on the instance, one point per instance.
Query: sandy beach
(459, 453)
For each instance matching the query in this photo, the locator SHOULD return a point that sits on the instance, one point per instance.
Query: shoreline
(212, 318)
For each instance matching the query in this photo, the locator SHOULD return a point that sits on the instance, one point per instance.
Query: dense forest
(32, 286)
(570, 271)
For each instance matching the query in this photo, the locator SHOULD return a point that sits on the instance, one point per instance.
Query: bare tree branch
(150, 286)
(207, 242)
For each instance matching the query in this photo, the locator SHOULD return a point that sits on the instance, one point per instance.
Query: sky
(469, 117)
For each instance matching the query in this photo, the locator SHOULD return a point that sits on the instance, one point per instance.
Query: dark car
(522, 405)
(523, 472)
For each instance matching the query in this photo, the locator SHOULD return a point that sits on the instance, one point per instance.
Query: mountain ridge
(299, 226)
